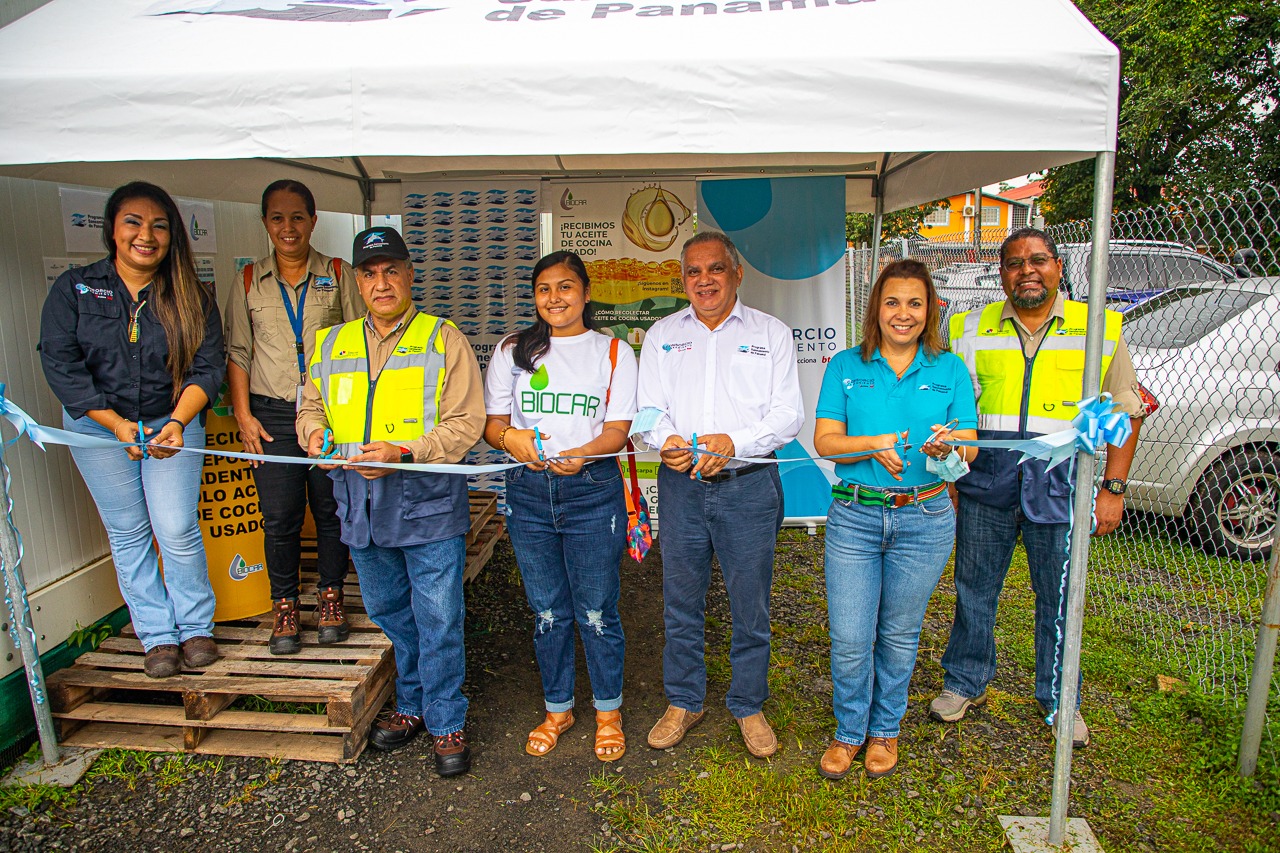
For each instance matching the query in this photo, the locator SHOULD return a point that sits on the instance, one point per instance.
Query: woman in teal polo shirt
(891, 526)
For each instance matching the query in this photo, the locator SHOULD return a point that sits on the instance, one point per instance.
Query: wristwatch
(1116, 486)
(406, 455)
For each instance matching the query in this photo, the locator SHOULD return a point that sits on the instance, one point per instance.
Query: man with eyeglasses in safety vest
(1026, 358)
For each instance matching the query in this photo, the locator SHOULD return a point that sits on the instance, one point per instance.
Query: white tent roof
(215, 98)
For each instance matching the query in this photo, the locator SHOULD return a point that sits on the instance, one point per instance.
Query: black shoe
(395, 731)
(453, 755)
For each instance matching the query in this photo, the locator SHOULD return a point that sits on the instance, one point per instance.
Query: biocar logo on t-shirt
(539, 400)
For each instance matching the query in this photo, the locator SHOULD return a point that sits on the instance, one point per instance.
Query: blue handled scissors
(694, 448)
(537, 437)
(142, 438)
(328, 450)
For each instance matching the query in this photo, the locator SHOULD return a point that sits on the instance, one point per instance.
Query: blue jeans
(985, 537)
(738, 520)
(882, 565)
(414, 594)
(569, 535)
(152, 498)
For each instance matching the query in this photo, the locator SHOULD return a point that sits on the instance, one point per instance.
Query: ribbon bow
(1096, 426)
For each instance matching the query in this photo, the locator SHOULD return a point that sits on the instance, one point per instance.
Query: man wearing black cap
(402, 386)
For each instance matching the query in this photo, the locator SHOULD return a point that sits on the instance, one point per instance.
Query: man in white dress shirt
(727, 374)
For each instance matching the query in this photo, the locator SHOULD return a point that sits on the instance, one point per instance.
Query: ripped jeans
(569, 535)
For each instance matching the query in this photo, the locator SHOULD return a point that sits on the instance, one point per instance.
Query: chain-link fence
(1198, 283)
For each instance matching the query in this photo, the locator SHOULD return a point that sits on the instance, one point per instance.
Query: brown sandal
(609, 735)
(548, 734)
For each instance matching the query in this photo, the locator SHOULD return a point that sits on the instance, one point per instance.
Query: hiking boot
(333, 626)
(199, 652)
(453, 754)
(838, 759)
(950, 707)
(162, 661)
(284, 632)
(395, 731)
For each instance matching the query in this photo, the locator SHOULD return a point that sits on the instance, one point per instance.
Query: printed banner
(82, 221)
(629, 235)
(231, 524)
(790, 234)
(473, 246)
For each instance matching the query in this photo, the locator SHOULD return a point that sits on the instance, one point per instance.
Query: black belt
(730, 473)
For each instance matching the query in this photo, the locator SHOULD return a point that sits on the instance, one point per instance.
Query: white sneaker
(950, 707)
(1079, 732)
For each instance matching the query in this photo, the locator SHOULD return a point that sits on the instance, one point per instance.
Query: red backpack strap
(248, 278)
(337, 271)
(613, 365)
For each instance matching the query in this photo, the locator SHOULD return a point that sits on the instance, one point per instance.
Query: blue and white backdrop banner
(790, 234)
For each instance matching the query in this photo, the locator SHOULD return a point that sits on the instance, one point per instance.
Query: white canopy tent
(911, 100)
(916, 99)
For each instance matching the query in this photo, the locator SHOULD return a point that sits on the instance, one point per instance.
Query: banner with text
(629, 235)
(790, 235)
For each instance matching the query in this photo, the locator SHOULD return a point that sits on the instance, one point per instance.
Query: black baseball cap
(381, 242)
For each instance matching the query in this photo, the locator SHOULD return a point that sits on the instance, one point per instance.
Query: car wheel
(1235, 505)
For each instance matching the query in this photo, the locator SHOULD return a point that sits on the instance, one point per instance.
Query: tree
(858, 227)
(1199, 87)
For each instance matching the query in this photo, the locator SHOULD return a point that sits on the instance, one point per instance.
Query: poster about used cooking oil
(629, 235)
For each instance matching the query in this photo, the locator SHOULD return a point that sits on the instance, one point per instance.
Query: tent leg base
(67, 772)
(1031, 835)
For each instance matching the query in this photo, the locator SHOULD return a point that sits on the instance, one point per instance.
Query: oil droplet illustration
(651, 218)
(539, 380)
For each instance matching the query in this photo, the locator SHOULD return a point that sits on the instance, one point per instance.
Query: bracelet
(181, 425)
(502, 439)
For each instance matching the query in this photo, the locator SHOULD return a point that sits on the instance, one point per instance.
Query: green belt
(868, 496)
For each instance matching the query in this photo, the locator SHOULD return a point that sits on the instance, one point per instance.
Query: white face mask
(950, 467)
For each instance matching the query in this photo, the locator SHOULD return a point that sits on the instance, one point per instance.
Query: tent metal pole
(21, 630)
(877, 224)
(1264, 658)
(1064, 721)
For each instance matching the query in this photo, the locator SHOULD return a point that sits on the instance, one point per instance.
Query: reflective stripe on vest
(993, 353)
(402, 404)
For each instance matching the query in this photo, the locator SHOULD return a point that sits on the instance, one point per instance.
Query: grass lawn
(1159, 775)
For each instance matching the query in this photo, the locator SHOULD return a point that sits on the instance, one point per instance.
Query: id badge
(297, 401)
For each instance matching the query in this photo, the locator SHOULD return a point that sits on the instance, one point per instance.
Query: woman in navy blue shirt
(891, 525)
(132, 347)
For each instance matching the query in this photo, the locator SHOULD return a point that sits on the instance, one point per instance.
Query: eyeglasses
(1036, 261)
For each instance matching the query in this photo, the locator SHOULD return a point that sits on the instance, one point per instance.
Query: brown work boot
(162, 661)
(284, 633)
(333, 626)
(199, 652)
(882, 756)
(838, 758)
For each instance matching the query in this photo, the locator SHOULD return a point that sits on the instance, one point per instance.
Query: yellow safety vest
(992, 351)
(401, 404)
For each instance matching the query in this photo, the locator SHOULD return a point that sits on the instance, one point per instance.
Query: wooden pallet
(105, 700)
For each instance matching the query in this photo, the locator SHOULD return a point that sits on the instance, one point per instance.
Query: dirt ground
(395, 802)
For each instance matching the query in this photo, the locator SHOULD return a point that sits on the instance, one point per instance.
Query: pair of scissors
(949, 425)
(328, 450)
(142, 438)
(694, 449)
(537, 437)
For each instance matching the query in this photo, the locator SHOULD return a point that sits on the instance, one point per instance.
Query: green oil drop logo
(539, 380)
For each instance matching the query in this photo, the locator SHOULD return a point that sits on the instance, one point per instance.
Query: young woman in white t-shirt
(566, 515)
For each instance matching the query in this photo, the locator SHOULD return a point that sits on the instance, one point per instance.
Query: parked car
(1210, 454)
(1136, 271)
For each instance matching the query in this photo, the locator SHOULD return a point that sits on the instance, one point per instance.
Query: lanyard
(295, 320)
